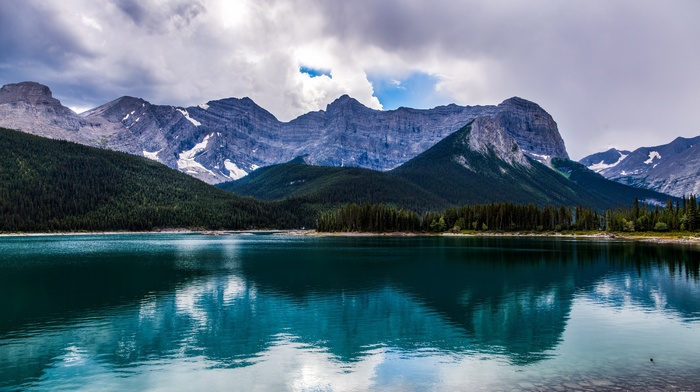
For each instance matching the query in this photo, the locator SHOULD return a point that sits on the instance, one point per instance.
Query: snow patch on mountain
(598, 167)
(187, 164)
(203, 106)
(652, 155)
(235, 172)
(541, 158)
(152, 155)
(190, 119)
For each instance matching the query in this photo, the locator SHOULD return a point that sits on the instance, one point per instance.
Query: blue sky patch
(417, 90)
(315, 72)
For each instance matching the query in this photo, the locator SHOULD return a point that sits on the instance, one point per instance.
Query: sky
(622, 73)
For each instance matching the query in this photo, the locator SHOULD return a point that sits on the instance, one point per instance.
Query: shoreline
(672, 238)
(682, 238)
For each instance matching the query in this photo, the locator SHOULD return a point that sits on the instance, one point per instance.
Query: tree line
(684, 215)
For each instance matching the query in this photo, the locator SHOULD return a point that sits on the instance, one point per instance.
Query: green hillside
(49, 185)
(329, 186)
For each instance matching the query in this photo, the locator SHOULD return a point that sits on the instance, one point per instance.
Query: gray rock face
(30, 107)
(226, 139)
(487, 134)
(672, 168)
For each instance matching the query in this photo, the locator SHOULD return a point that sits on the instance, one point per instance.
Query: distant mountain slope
(48, 185)
(480, 163)
(672, 168)
(227, 139)
(603, 160)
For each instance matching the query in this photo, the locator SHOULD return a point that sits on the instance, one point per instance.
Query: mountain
(50, 185)
(603, 160)
(227, 139)
(328, 185)
(481, 163)
(30, 107)
(672, 168)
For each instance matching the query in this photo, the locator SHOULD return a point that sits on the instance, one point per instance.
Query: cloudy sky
(622, 73)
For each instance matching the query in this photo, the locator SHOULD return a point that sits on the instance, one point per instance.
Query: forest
(49, 185)
(507, 217)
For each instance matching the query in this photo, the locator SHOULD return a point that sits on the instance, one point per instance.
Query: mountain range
(226, 139)
(419, 159)
(672, 168)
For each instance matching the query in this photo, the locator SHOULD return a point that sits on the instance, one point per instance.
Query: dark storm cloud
(159, 17)
(32, 36)
(133, 9)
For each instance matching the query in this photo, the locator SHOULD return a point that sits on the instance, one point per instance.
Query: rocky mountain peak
(115, 110)
(520, 103)
(235, 107)
(344, 102)
(29, 92)
(31, 107)
(533, 129)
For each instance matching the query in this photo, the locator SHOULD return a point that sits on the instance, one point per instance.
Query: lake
(279, 313)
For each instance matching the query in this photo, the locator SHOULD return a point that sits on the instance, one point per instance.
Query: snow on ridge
(187, 163)
(235, 172)
(203, 106)
(652, 155)
(187, 116)
(599, 167)
(540, 157)
(152, 155)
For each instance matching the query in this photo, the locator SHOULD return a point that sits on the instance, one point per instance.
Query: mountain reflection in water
(113, 303)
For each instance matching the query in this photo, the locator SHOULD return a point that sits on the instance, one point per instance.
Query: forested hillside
(333, 186)
(48, 185)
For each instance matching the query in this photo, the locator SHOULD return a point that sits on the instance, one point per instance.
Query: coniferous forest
(48, 185)
(507, 217)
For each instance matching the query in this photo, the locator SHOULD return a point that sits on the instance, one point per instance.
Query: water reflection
(129, 303)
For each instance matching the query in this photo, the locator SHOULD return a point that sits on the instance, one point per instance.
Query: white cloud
(90, 22)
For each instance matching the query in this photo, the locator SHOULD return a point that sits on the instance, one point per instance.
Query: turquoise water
(274, 313)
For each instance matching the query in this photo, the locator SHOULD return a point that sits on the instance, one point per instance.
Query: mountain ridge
(672, 168)
(228, 138)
